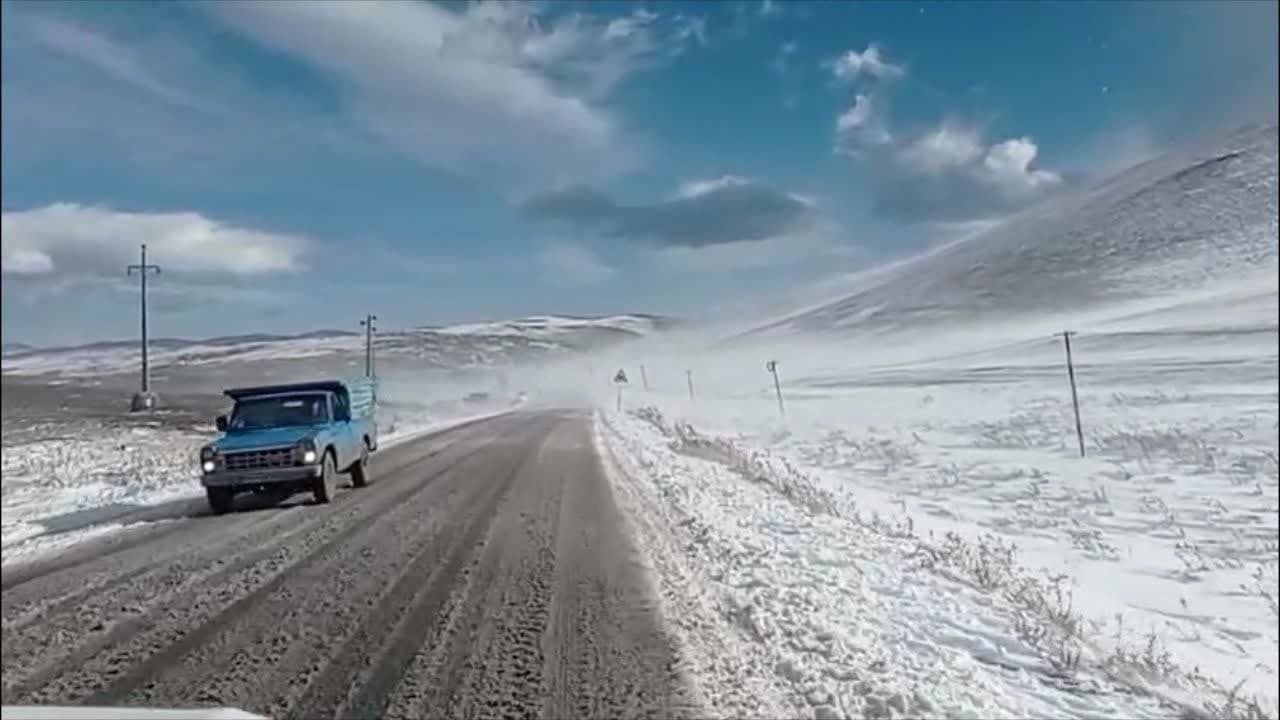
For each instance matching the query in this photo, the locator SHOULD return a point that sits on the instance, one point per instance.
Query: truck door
(347, 436)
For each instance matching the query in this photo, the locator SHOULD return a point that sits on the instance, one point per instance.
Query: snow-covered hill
(1186, 221)
(552, 326)
(472, 345)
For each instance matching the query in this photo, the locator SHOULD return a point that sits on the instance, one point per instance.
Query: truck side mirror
(221, 423)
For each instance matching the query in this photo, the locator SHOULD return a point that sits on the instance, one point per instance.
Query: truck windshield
(279, 411)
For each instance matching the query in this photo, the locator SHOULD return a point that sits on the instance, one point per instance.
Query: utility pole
(772, 367)
(688, 374)
(369, 330)
(144, 400)
(644, 379)
(1075, 399)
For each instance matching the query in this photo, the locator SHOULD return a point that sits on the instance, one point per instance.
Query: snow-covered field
(450, 347)
(84, 479)
(955, 480)
(789, 605)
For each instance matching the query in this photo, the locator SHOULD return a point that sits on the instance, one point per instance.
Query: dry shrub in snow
(1044, 615)
(753, 466)
(654, 417)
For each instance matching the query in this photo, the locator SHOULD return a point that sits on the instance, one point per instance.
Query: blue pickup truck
(283, 439)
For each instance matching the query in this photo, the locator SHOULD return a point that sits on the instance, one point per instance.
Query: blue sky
(294, 165)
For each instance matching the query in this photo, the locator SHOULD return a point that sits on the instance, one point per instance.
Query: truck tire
(324, 487)
(220, 499)
(360, 469)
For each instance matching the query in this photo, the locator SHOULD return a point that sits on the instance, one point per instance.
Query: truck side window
(340, 409)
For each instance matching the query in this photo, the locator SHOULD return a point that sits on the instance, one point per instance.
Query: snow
(919, 536)
(100, 361)
(552, 325)
(454, 346)
(84, 481)
(1196, 217)
(58, 712)
(828, 616)
(1165, 534)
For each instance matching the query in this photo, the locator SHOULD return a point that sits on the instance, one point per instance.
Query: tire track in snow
(137, 637)
(479, 581)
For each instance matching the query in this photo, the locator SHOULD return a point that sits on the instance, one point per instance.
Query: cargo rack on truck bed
(317, 386)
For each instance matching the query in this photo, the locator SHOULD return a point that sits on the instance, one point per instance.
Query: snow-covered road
(87, 478)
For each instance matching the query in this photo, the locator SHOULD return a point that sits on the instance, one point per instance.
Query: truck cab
(284, 439)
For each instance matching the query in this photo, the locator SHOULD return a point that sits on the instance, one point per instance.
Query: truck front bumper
(296, 474)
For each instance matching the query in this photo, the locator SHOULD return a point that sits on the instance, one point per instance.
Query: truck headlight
(208, 459)
(305, 452)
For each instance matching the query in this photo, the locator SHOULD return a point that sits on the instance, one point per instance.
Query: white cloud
(870, 62)
(493, 89)
(857, 116)
(690, 29)
(83, 92)
(574, 263)
(694, 188)
(508, 93)
(70, 239)
(108, 56)
(950, 173)
(1007, 166)
(628, 26)
(948, 147)
(861, 123)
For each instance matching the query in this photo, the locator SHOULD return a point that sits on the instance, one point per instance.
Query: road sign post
(620, 380)
(772, 367)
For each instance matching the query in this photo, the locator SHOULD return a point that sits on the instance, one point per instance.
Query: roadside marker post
(772, 367)
(369, 330)
(1075, 398)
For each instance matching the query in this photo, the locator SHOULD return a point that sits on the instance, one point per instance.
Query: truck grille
(260, 459)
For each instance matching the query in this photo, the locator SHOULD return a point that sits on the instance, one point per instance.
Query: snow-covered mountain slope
(474, 345)
(1189, 220)
(552, 326)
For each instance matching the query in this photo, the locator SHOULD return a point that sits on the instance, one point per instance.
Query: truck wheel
(324, 487)
(360, 470)
(220, 499)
